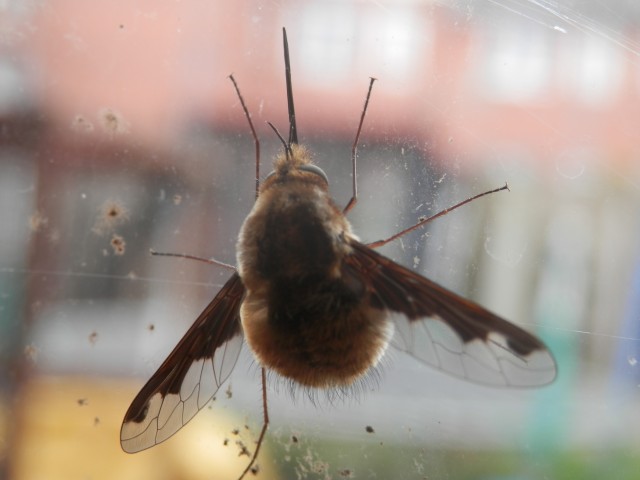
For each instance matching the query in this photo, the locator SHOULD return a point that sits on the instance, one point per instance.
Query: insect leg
(253, 132)
(423, 221)
(210, 261)
(354, 152)
(257, 144)
(265, 424)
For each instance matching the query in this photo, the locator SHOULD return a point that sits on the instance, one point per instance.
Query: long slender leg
(265, 411)
(253, 132)
(265, 424)
(210, 261)
(354, 152)
(423, 221)
(257, 145)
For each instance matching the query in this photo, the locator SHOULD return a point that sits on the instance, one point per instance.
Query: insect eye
(306, 168)
(315, 169)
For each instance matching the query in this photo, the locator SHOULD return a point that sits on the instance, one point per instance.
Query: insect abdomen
(319, 333)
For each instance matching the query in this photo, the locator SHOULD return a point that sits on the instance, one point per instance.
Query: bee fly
(320, 307)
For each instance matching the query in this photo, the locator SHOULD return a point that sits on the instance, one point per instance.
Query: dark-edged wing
(191, 374)
(448, 332)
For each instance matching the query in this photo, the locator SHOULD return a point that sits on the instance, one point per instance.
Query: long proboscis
(293, 129)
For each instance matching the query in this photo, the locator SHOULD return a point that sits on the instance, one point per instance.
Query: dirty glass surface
(120, 132)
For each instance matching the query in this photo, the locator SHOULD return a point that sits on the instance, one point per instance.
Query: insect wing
(448, 332)
(191, 374)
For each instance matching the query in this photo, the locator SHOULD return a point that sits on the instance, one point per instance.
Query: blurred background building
(120, 132)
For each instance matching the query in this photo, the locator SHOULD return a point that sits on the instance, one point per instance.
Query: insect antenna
(277, 132)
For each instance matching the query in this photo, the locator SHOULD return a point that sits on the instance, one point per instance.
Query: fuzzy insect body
(306, 314)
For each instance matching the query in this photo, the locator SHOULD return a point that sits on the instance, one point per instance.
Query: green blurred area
(313, 458)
